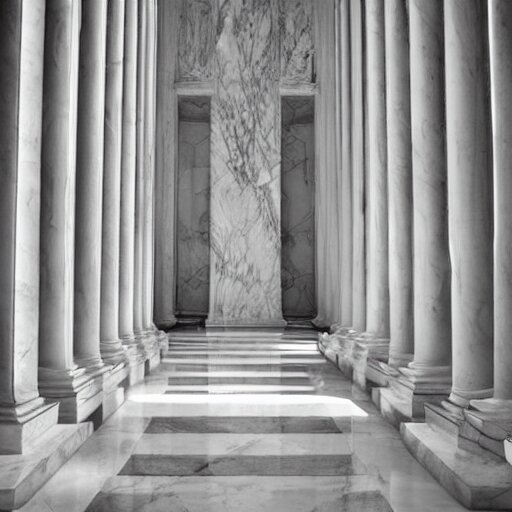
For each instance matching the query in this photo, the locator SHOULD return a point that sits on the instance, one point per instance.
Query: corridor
(231, 423)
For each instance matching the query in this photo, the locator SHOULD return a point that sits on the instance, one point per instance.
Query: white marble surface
(470, 189)
(245, 238)
(391, 473)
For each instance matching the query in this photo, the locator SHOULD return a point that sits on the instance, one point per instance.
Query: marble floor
(244, 424)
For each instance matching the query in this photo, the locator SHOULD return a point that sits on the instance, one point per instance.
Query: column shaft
(166, 118)
(377, 315)
(358, 166)
(128, 171)
(399, 182)
(111, 348)
(500, 28)
(89, 178)
(57, 367)
(469, 199)
(21, 86)
(346, 250)
(139, 179)
(432, 332)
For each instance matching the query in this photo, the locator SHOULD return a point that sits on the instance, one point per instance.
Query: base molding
(22, 475)
(477, 478)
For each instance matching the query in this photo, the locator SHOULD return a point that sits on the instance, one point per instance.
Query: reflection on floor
(244, 424)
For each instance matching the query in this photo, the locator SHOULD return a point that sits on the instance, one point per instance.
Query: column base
(338, 348)
(113, 352)
(136, 355)
(165, 325)
(115, 381)
(22, 475)
(149, 339)
(409, 389)
(367, 346)
(487, 424)
(78, 391)
(21, 426)
(477, 478)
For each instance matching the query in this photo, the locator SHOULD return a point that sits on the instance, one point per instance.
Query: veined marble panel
(296, 41)
(298, 208)
(245, 285)
(193, 262)
(196, 41)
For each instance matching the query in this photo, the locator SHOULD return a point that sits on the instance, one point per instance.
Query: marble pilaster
(89, 177)
(111, 348)
(60, 378)
(245, 237)
(327, 185)
(135, 350)
(165, 205)
(24, 415)
(469, 199)
(399, 155)
(374, 342)
(428, 376)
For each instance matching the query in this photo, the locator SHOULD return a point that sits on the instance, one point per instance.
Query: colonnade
(77, 151)
(433, 79)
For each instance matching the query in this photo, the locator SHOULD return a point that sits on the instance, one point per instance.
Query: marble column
(138, 322)
(166, 119)
(245, 227)
(23, 414)
(89, 178)
(469, 199)
(358, 167)
(346, 251)
(154, 337)
(432, 330)
(59, 377)
(377, 287)
(500, 35)
(128, 175)
(110, 345)
(399, 183)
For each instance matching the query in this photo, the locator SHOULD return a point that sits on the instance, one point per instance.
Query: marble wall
(298, 208)
(245, 285)
(193, 212)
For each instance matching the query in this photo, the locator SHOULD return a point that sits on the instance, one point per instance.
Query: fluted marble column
(59, 376)
(128, 176)
(399, 183)
(138, 321)
(22, 412)
(346, 167)
(110, 346)
(89, 178)
(377, 287)
(358, 172)
(469, 199)
(432, 330)
(500, 35)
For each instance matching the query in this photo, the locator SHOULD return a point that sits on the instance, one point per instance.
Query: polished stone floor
(244, 424)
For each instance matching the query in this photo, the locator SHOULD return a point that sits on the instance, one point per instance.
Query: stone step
(222, 494)
(212, 380)
(239, 389)
(249, 424)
